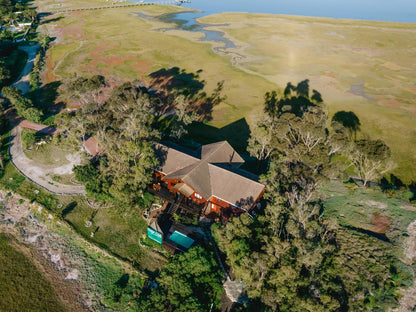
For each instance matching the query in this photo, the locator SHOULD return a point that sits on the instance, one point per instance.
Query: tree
(371, 159)
(32, 114)
(349, 121)
(184, 117)
(6, 35)
(1, 154)
(30, 14)
(286, 256)
(86, 89)
(6, 7)
(11, 92)
(260, 143)
(5, 74)
(123, 127)
(24, 106)
(189, 282)
(295, 128)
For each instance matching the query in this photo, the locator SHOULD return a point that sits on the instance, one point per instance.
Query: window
(198, 196)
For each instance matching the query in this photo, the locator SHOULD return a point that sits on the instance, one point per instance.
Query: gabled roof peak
(222, 153)
(212, 173)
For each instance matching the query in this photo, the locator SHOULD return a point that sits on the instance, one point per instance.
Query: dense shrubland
(291, 256)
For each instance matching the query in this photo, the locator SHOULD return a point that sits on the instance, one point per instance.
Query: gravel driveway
(37, 173)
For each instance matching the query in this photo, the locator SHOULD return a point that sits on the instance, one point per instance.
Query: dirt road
(40, 174)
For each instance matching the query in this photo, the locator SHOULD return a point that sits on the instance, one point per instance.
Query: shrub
(409, 195)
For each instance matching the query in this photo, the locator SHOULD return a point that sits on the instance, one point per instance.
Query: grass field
(85, 44)
(22, 285)
(375, 58)
(119, 233)
(369, 209)
(335, 55)
(99, 281)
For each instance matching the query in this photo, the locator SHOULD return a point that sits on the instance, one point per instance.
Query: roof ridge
(235, 173)
(177, 148)
(219, 145)
(198, 164)
(204, 160)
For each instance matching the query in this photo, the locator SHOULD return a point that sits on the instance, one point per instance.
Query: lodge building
(209, 178)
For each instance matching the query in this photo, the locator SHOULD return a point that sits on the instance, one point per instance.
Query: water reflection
(187, 21)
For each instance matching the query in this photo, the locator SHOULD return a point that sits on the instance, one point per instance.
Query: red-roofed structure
(209, 177)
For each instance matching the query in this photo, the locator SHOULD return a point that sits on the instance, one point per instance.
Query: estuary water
(382, 10)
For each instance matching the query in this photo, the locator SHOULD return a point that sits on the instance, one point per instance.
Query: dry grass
(133, 49)
(333, 54)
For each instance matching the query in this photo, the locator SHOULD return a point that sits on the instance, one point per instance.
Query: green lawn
(116, 229)
(49, 153)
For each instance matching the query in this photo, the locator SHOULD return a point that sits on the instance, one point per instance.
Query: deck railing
(185, 204)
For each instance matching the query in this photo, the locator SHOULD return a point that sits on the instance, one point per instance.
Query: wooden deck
(185, 204)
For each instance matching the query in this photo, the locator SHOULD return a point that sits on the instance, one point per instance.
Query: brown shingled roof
(171, 158)
(221, 153)
(212, 171)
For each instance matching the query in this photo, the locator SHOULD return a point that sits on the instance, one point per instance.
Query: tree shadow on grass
(236, 133)
(68, 209)
(348, 120)
(178, 81)
(174, 81)
(296, 100)
(45, 97)
(47, 21)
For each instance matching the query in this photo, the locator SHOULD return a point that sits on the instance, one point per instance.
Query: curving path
(37, 173)
(22, 83)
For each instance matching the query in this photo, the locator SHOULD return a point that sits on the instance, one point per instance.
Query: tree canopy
(294, 129)
(289, 256)
(124, 128)
(189, 282)
(23, 105)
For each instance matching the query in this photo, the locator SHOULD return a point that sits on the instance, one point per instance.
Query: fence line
(166, 2)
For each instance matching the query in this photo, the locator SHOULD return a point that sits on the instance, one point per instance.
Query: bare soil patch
(373, 203)
(49, 75)
(381, 223)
